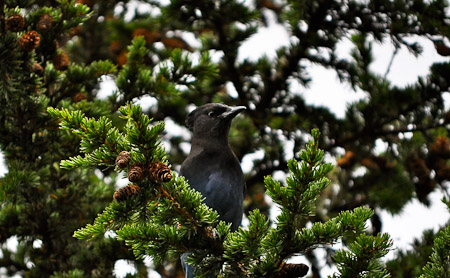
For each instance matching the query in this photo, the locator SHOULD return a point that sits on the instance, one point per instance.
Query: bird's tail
(189, 270)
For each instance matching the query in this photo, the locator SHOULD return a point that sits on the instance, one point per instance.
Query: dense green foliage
(60, 140)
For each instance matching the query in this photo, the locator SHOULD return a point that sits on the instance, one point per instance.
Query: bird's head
(212, 121)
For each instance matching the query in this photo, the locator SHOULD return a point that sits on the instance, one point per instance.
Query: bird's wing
(223, 192)
(221, 182)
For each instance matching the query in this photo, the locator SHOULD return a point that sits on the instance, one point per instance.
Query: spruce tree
(65, 148)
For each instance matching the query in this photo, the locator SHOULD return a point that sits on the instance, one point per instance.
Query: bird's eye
(211, 114)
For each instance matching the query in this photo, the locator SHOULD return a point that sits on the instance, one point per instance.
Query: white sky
(326, 90)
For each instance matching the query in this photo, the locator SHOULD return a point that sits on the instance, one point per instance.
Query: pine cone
(61, 61)
(115, 48)
(176, 43)
(88, 3)
(79, 96)
(15, 23)
(370, 164)
(418, 166)
(347, 160)
(122, 58)
(159, 172)
(29, 41)
(292, 270)
(442, 169)
(123, 193)
(441, 48)
(123, 159)
(76, 31)
(269, 5)
(150, 37)
(440, 146)
(45, 23)
(136, 173)
(38, 69)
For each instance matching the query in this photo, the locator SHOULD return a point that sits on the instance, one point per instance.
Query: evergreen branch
(141, 135)
(244, 246)
(128, 77)
(305, 182)
(280, 245)
(120, 214)
(297, 200)
(184, 72)
(184, 205)
(333, 229)
(2, 18)
(77, 74)
(159, 239)
(383, 132)
(188, 204)
(362, 259)
(100, 225)
(439, 264)
(77, 13)
(135, 79)
(100, 141)
(391, 61)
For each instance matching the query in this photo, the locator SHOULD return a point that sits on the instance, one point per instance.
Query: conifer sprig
(136, 79)
(143, 139)
(439, 264)
(439, 261)
(362, 257)
(100, 141)
(244, 245)
(297, 201)
(307, 179)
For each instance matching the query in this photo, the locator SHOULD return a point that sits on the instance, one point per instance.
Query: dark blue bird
(211, 167)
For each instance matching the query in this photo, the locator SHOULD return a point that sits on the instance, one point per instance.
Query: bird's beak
(230, 114)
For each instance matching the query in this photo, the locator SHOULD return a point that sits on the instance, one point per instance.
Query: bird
(211, 167)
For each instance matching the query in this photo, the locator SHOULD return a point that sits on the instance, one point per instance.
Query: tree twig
(391, 61)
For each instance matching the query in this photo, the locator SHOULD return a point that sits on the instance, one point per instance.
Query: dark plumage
(211, 167)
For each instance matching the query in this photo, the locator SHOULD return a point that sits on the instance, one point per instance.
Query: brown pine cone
(115, 48)
(347, 160)
(61, 62)
(123, 193)
(79, 96)
(123, 159)
(122, 58)
(176, 43)
(29, 41)
(45, 23)
(15, 23)
(136, 173)
(292, 270)
(38, 69)
(440, 145)
(150, 37)
(159, 172)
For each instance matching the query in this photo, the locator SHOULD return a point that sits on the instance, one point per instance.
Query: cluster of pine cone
(30, 40)
(155, 171)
